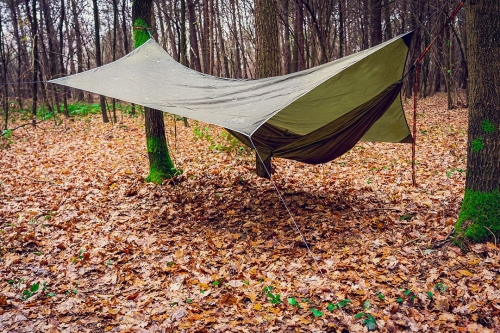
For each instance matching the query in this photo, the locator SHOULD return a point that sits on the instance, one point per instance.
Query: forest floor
(87, 246)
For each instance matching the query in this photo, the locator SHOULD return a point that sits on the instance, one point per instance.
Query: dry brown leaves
(112, 253)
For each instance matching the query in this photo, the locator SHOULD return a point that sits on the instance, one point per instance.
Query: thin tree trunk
(13, 13)
(234, 33)
(79, 45)
(61, 60)
(3, 58)
(376, 22)
(115, 28)
(160, 163)
(341, 29)
(99, 58)
(182, 37)
(194, 52)
(34, 37)
(222, 48)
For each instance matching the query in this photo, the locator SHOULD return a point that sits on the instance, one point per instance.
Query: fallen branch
(441, 242)
(494, 237)
(27, 124)
(370, 210)
(42, 181)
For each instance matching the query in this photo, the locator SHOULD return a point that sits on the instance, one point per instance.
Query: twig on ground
(27, 124)
(441, 242)
(370, 210)
(411, 241)
(494, 237)
(42, 181)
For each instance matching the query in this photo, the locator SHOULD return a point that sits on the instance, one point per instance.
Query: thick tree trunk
(479, 218)
(267, 61)
(160, 163)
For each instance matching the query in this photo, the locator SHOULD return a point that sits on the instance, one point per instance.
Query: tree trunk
(61, 59)
(341, 29)
(376, 22)
(99, 58)
(267, 60)
(160, 163)
(194, 52)
(222, 49)
(387, 19)
(115, 28)
(479, 218)
(13, 13)
(3, 58)
(34, 37)
(79, 45)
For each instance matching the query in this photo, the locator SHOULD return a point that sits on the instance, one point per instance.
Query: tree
(479, 218)
(99, 58)
(160, 163)
(3, 59)
(267, 58)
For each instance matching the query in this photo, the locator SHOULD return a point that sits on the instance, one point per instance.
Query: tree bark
(34, 37)
(79, 44)
(99, 58)
(376, 22)
(267, 59)
(13, 13)
(3, 58)
(479, 218)
(194, 52)
(61, 58)
(160, 164)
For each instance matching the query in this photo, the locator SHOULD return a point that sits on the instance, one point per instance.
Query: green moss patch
(477, 145)
(141, 34)
(479, 216)
(488, 126)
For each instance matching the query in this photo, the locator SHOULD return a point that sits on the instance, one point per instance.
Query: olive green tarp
(311, 116)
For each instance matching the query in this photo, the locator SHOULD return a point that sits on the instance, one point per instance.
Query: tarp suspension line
(415, 90)
(413, 144)
(268, 172)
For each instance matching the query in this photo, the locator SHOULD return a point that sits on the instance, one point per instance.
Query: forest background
(88, 246)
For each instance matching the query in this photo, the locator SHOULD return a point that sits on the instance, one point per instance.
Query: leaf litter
(87, 246)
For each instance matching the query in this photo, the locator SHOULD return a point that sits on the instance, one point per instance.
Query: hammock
(312, 116)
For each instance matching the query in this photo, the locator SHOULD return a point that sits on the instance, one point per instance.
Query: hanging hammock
(312, 116)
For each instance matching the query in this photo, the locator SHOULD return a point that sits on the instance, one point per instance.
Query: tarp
(312, 116)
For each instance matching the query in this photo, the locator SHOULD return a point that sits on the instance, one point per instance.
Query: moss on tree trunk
(480, 215)
(479, 219)
(160, 164)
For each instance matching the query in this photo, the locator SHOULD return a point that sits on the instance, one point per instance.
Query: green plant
(293, 302)
(338, 305)
(5, 138)
(452, 170)
(79, 257)
(316, 313)
(440, 287)
(368, 321)
(30, 292)
(273, 298)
